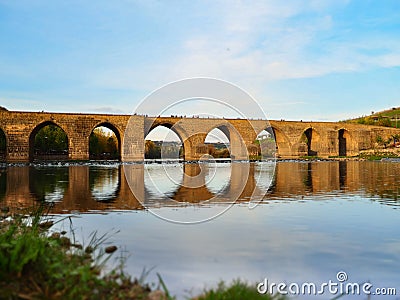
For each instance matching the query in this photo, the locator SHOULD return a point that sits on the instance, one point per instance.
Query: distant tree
(379, 140)
(382, 142)
(94, 146)
(384, 122)
(223, 153)
(220, 152)
(388, 141)
(368, 121)
(51, 138)
(152, 151)
(103, 144)
(112, 146)
(267, 146)
(304, 138)
(169, 149)
(361, 120)
(211, 150)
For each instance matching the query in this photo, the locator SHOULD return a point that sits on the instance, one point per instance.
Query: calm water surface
(316, 219)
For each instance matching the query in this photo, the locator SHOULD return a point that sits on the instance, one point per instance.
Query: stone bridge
(293, 139)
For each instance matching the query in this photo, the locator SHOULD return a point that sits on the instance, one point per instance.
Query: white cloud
(248, 43)
(107, 110)
(253, 43)
(261, 42)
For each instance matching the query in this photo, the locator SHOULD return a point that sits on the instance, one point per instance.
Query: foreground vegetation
(37, 264)
(238, 290)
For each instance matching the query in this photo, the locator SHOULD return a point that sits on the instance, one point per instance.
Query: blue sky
(310, 60)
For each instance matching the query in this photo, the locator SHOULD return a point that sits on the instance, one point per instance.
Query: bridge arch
(58, 153)
(170, 125)
(156, 151)
(344, 142)
(115, 130)
(282, 142)
(3, 145)
(311, 138)
(218, 134)
(237, 148)
(224, 128)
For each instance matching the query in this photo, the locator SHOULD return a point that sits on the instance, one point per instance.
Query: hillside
(387, 118)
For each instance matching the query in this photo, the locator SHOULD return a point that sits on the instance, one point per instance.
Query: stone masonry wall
(21, 127)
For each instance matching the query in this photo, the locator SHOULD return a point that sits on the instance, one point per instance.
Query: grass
(238, 290)
(393, 112)
(376, 155)
(310, 157)
(385, 118)
(36, 265)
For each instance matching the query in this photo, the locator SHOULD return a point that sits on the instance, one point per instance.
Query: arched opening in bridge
(162, 142)
(266, 143)
(344, 138)
(217, 143)
(105, 143)
(3, 145)
(48, 141)
(311, 138)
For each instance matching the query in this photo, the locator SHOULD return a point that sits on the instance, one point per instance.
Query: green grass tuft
(36, 265)
(376, 155)
(238, 290)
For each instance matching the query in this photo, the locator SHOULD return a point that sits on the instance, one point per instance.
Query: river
(197, 224)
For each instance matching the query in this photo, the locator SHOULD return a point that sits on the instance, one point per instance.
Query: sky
(300, 60)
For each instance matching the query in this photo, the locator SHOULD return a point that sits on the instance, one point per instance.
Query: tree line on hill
(379, 121)
(386, 118)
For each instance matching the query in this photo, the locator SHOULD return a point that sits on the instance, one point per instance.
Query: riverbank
(36, 263)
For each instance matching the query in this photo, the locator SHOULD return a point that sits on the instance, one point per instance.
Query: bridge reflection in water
(94, 188)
